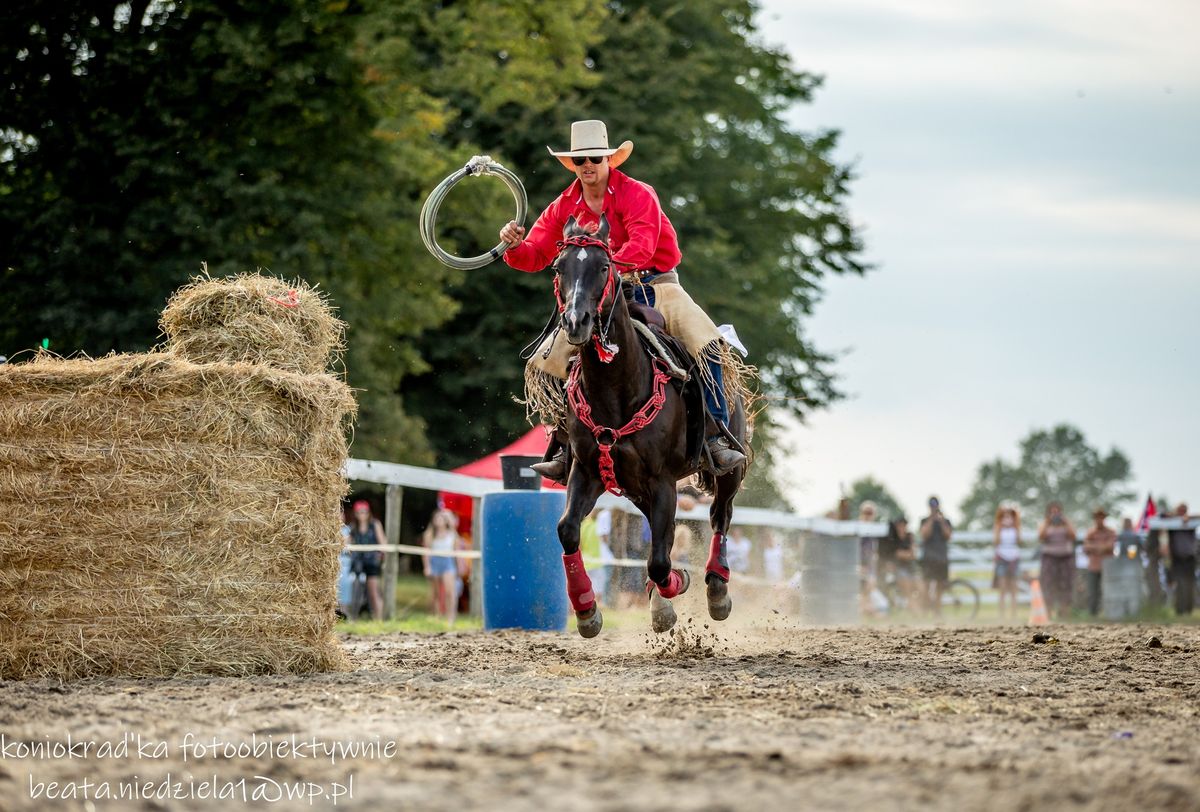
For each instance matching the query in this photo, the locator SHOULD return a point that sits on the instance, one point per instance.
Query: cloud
(1073, 206)
(1012, 48)
(1036, 247)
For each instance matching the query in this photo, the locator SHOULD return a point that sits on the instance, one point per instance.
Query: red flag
(1148, 513)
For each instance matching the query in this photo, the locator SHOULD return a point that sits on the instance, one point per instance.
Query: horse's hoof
(663, 621)
(589, 623)
(662, 614)
(719, 602)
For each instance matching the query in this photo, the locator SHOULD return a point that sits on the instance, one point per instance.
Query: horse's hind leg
(582, 493)
(716, 575)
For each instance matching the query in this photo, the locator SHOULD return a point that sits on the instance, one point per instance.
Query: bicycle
(959, 597)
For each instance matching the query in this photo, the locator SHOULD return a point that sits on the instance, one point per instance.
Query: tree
(758, 206)
(301, 136)
(1055, 464)
(138, 140)
(869, 488)
(146, 138)
(447, 70)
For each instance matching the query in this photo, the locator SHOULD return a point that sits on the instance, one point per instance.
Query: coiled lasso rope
(479, 165)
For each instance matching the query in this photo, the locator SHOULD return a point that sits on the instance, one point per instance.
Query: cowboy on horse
(644, 245)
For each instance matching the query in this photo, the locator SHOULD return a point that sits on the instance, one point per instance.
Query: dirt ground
(771, 716)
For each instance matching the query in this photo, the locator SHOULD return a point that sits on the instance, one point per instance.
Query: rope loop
(478, 166)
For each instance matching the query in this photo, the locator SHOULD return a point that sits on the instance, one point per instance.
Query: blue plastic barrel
(524, 586)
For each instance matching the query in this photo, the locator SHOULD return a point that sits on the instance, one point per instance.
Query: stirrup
(724, 457)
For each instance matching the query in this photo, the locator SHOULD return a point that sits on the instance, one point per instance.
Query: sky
(1029, 191)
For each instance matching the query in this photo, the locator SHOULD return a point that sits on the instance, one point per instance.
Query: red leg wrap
(674, 585)
(579, 585)
(718, 565)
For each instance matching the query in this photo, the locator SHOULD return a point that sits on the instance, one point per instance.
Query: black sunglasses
(593, 158)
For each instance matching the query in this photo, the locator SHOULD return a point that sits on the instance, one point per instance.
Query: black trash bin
(516, 473)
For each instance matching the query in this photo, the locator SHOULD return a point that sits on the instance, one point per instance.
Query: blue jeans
(714, 396)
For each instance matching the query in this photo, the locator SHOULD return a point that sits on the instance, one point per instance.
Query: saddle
(685, 375)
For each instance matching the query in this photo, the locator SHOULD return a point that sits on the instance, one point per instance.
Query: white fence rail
(411, 476)
(971, 552)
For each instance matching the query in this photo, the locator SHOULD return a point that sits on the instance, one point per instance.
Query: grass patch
(417, 622)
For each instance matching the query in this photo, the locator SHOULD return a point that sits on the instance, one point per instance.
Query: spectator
(1155, 546)
(597, 555)
(1057, 536)
(867, 548)
(1098, 543)
(633, 581)
(773, 559)
(1006, 533)
(936, 532)
(898, 562)
(366, 529)
(840, 513)
(1181, 546)
(345, 576)
(685, 529)
(604, 522)
(441, 536)
(682, 545)
(1129, 541)
(737, 551)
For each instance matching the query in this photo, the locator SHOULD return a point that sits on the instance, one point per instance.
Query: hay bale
(160, 517)
(253, 318)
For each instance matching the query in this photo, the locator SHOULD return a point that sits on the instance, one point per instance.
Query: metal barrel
(524, 586)
(1122, 586)
(829, 580)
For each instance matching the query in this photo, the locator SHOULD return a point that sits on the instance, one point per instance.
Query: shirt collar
(615, 178)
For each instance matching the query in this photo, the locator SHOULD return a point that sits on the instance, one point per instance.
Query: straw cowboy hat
(590, 139)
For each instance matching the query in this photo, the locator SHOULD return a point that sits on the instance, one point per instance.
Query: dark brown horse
(614, 395)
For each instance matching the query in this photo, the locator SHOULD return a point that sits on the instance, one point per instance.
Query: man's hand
(512, 234)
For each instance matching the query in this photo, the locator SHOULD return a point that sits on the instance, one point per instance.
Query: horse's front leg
(582, 493)
(666, 583)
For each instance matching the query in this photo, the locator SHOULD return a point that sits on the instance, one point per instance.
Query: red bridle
(604, 350)
(607, 437)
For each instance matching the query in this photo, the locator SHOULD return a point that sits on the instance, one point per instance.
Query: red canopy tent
(531, 444)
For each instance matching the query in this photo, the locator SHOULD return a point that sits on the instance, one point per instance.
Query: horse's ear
(602, 232)
(569, 228)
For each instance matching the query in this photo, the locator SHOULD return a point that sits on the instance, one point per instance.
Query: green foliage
(760, 488)
(145, 142)
(758, 207)
(139, 140)
(1055, 464)
(869, 488)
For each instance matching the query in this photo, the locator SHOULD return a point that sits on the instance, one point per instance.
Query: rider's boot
(725, 458)
(554, 464)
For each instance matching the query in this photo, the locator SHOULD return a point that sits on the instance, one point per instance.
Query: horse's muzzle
(577, 324)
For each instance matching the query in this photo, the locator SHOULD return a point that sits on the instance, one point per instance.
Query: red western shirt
(639, 232)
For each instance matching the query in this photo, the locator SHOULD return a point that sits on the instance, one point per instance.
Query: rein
(607, 437)
(605, 350)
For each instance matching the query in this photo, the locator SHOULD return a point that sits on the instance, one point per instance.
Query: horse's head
(585, 279)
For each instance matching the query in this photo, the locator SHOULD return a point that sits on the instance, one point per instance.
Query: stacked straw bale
(163, 517)
(253, 318)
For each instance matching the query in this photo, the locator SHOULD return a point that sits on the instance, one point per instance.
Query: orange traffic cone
(1037, 605)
